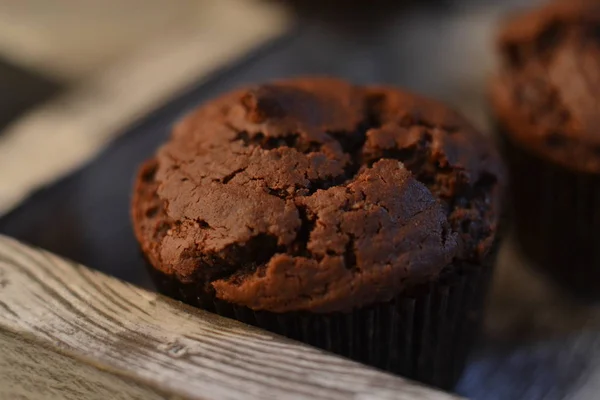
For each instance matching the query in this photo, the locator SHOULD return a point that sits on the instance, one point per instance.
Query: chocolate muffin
(547, 108)
(362, 220)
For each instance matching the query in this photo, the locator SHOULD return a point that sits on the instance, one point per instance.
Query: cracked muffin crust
(317, 195)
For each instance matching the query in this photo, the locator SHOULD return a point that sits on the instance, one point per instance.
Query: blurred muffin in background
(546, 100)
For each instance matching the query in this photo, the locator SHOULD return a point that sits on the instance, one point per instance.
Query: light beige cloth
(122, 59)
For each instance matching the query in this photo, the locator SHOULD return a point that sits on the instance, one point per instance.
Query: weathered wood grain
(69, 328)
(29, 370)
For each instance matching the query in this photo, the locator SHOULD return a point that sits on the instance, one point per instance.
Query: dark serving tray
(538, 344)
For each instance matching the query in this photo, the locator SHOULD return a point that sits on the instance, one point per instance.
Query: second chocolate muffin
(547, 107)
(362, 220)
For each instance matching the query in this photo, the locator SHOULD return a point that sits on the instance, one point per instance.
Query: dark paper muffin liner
(556, 216)
(425, 335)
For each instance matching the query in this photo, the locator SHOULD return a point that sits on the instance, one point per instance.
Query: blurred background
(76, 73)
(92, 87)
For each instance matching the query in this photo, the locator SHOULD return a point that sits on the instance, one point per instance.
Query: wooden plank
(29, 370)
(62, 315)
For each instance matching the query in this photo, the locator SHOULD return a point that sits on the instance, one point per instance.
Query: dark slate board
(538, 344)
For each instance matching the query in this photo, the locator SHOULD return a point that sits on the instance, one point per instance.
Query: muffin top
(547, 95)
(314, 194)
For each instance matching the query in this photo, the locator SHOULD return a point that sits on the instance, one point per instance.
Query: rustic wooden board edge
(69, 318)
(33, 370)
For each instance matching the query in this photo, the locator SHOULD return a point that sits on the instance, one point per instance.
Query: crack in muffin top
(314, 194)
(547, 94)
